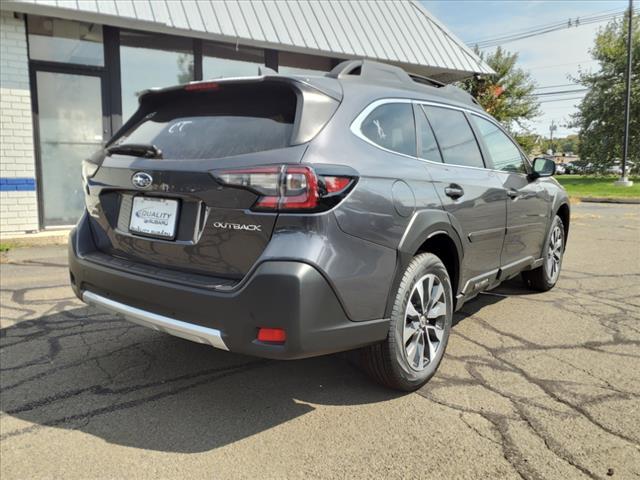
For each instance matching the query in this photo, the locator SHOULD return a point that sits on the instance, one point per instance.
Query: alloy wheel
(424, 321)
(554, 253)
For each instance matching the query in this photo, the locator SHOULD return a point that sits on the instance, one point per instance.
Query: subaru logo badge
(141, 179)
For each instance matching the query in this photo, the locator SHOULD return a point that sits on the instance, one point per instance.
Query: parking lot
(532, 386)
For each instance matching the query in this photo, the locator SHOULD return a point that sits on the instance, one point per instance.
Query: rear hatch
(154, 195)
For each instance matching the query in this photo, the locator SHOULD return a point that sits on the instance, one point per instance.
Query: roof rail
(460, 95)
(426, 80)
(370, 71)
(376, 71)
(263, 71)
(379, 71)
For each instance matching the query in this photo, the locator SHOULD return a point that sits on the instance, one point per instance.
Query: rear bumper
(279, 294)
(189, 331)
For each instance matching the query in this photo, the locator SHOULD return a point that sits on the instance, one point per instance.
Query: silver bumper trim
(188, 331)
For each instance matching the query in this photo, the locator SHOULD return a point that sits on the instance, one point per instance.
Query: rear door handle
(513, 193)
(454, 191)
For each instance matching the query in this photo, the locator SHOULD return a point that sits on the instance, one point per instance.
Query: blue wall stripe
(19, 184)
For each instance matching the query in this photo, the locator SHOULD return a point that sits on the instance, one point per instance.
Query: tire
(546, 276)
(395, 363)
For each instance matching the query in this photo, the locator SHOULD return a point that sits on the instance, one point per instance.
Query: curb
(631, 201)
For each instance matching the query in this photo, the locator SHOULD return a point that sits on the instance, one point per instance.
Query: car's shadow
(510, 288)
(85, 370)
(131, 386)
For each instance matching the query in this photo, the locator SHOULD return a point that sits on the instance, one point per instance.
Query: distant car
(560, 169)
(614, 169)
(617, 169)
(287, 217)
(573, 169)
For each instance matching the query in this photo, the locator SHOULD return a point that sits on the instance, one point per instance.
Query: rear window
(232, 120)
(455, 137)
(392, 127)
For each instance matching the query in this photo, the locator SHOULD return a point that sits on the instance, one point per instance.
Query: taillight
(336, 184)
(288, 187)
(201, 86)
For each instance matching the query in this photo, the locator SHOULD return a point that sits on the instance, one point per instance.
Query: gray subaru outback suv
(287, 217)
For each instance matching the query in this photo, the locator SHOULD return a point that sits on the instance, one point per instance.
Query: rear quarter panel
(372, 221)
(391, 186)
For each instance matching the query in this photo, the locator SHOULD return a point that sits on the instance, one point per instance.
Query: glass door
(71, 126)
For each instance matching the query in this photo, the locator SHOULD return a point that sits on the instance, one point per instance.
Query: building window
(148, 61)
(56, 40)
(70, 129)
(298, 64)
(225, 60)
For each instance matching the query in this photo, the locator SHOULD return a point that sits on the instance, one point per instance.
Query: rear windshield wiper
(138, 149)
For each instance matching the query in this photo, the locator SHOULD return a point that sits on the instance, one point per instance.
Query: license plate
(154, 216)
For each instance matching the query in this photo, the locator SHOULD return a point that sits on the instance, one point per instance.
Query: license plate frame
(162, 212)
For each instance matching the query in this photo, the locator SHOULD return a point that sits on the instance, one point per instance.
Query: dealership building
(71, 71)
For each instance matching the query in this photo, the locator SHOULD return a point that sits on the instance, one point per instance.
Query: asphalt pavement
(532, 386)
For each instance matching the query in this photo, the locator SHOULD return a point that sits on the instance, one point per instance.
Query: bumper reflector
(272, 335)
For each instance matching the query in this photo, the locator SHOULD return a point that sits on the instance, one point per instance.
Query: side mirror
(543, 167)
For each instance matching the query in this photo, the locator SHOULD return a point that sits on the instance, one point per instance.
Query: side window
(504, 154)
(392, 127)
(427, 145)
(455, 137)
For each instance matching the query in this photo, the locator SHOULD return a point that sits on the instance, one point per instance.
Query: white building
(70, 72)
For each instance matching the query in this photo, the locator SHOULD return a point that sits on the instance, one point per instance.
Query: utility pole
(624, 181)
(552, 128)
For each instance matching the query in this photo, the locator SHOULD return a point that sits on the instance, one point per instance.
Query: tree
(508, 94)
(600, 114)
(530, 142)
(571, 143)
(185, 67)
(560, 145)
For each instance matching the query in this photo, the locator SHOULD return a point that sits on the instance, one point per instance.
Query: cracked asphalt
(532, 386)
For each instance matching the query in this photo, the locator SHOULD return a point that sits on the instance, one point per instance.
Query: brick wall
(18, 202)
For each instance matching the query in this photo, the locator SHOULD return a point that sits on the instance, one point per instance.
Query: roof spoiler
(322, 84)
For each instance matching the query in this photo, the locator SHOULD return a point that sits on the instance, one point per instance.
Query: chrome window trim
(357, 124)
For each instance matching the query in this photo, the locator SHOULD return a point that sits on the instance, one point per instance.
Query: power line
(542, 25)
(561, 92)
(534, 28)
(538, 67)
(560, 99)
(557, 107)
(556, 86)
(548, 28)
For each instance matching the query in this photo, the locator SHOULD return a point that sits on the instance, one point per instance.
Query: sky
(551, 58)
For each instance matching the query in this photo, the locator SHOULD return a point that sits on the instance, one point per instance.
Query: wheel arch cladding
(428, 231)
(442, 246)
(564, 214)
